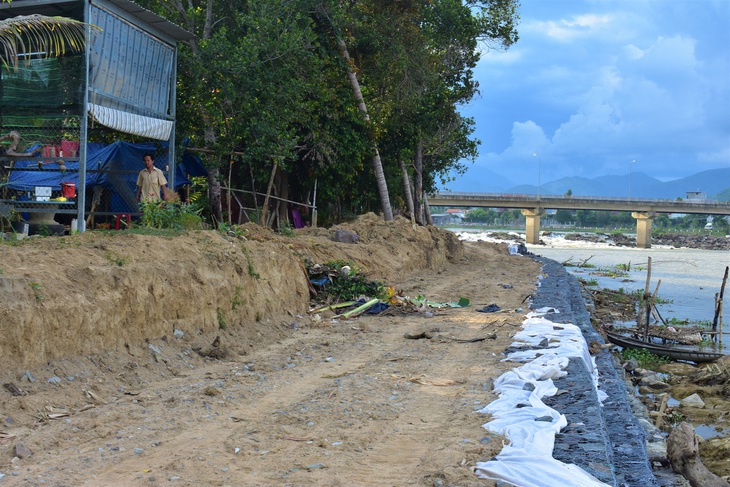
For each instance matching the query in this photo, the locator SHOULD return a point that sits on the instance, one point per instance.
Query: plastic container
(68, 190)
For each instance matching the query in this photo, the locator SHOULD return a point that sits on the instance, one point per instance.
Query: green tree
(481, 215)
(585, 218)
(302, 92)
(721, 224)
(563, 217)
(662, 221)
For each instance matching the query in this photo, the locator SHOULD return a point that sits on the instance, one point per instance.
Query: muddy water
(690, 278)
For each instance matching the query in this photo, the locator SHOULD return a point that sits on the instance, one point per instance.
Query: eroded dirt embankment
(84, 294)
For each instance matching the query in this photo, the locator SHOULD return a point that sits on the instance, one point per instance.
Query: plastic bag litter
(517, 249)
(492, 308)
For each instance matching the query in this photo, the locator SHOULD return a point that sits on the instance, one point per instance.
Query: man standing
(149, 181)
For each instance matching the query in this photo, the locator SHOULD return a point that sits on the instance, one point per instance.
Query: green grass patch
(644, 357)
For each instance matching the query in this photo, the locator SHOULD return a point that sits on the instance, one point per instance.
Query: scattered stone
(653, 382)
(178, 333)
(693, 401)
(14, 390)
(657, 451)
(22, 451)
(211, 391)
(54, 380)
(631, 365)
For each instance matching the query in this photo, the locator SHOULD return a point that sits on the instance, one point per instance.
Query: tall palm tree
(40, 34)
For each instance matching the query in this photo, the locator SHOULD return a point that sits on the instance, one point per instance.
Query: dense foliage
(290, 98)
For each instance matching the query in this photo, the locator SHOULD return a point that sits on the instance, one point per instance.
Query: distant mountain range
(715, 183)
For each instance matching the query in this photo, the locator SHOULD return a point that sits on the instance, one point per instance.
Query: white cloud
(576, 27)
(590, 88)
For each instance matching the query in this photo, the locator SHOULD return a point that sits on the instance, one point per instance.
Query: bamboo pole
(359, 310)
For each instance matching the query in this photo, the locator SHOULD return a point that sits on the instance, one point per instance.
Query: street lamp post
(538, 174)
(631, 164)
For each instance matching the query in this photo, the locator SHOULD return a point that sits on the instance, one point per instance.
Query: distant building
(449, 216)
(441, 218)
(696, 195)
(457, 215)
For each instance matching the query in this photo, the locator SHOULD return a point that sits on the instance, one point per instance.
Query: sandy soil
(109, 339)
(113, 380)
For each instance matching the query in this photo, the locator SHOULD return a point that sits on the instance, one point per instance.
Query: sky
(604, 87)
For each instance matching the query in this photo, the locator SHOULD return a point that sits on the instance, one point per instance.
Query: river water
(690, 278)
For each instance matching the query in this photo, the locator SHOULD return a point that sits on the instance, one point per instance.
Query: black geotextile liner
(605, 440)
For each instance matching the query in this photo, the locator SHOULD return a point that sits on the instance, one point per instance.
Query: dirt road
(295, 400)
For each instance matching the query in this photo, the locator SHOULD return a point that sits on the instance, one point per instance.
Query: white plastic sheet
(521, 416)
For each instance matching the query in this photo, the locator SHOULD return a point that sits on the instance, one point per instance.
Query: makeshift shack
(124, 83)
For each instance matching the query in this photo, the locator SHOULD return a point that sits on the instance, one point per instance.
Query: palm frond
(40, 35)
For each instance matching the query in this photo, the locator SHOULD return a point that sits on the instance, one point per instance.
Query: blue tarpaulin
(114, 167)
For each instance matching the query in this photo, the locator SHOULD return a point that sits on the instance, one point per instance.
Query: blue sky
(593, 85)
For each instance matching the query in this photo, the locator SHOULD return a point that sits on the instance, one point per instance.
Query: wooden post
(718, 302)
(647, 300)
(314, 206)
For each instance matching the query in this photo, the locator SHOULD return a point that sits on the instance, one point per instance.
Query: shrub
(169, 214)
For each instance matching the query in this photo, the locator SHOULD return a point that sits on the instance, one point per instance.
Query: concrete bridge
(533, 207)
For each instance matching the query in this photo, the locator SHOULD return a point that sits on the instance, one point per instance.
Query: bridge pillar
(532, 225)
(644, 221)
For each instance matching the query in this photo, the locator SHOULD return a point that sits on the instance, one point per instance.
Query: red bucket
(68, 190)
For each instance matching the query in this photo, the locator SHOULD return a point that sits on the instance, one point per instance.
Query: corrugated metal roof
(150, 18)
(60, 7)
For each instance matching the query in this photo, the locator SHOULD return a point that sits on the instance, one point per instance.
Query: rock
(345, 236)
(631, 365)
(13, 389)
(22, 451)
(693, 401)
(657, 451)
(653, 382)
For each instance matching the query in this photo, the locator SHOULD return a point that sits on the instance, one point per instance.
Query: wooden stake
(718, 304)
(647, 300)
(662, 408)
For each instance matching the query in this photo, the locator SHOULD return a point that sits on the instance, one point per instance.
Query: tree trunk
(282, 179)
(418, 182)
(377, 163)
(407, 190)
(214, 194)
(427, 211)
(683, 452)
(262, 219)
(214, 186)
